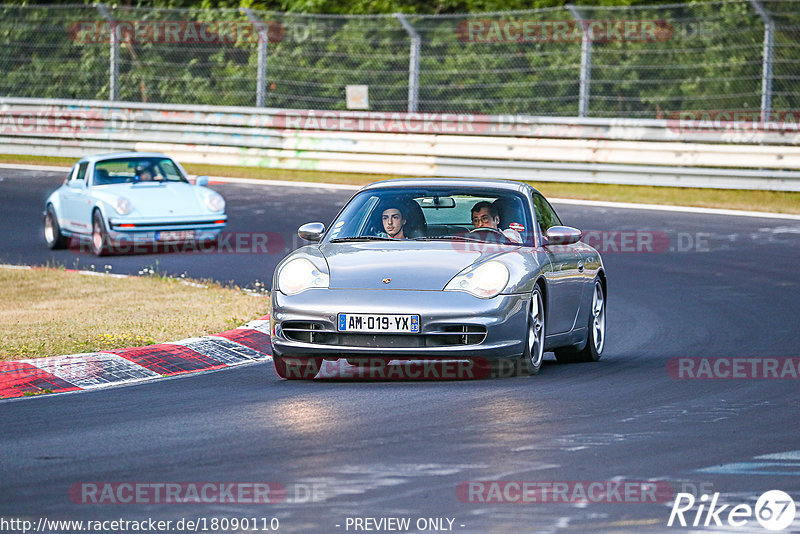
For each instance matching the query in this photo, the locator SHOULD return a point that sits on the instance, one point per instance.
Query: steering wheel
(488, 229)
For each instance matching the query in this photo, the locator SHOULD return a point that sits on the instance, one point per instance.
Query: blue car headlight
(485, 281)
(215, 202)
(300, 274)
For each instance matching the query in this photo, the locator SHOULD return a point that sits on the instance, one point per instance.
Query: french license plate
(363, 322)
(175, 235)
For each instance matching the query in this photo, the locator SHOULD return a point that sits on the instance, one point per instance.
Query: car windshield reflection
(137, 170)
(434, 214)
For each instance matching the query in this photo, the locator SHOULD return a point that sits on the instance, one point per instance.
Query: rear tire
(292, 368)
(597, 332)
(101, 244)
(52, 231)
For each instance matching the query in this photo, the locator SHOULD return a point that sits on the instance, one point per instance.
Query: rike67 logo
(774, 510)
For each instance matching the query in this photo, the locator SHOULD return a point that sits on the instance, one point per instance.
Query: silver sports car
(481, 271)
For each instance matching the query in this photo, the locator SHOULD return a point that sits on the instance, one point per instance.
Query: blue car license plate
(367, 322)
(175, 235)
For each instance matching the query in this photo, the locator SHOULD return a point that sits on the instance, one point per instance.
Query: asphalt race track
(709, 287)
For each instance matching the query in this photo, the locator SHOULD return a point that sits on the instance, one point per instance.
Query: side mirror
(76, 184)
(311, 231)
(201, 181)
(562, 235)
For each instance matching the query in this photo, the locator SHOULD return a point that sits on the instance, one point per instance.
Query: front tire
(534, 338)
(597, 332)
(101, 244)
(296, 368)
(52, 231)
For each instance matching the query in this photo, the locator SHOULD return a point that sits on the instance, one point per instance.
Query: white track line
(283, 183)
(593, 203)
(23, 167)
(682, 209)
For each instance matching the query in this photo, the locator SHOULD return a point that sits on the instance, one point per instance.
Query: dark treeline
(703, 56)
(360, 7)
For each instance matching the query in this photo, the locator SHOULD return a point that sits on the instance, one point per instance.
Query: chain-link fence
(590, 61)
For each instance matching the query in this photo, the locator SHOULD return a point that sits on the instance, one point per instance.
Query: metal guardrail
(628, 151)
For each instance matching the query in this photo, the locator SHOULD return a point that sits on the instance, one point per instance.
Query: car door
(565, 280)
(74, 199)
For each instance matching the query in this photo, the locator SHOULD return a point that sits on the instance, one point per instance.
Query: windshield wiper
(465, 238)
(449, 238)
(362, 238)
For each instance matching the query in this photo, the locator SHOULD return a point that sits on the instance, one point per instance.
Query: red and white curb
(74, 372)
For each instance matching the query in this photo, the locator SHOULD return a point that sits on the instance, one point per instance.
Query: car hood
(154, 199)
(408, 265)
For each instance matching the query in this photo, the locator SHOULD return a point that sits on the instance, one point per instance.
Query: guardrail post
(413, 63)
(113, 68)
(263, 40)
(766, 71)
(586, 61)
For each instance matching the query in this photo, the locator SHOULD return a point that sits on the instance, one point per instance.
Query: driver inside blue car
(484, 215)
(144, 173)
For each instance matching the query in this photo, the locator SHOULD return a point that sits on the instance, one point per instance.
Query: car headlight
(484, 281)
(215, 202)
(300, 274)
(123, 206)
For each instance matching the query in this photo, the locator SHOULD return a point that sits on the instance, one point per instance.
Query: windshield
(436, 213)
(135, 170)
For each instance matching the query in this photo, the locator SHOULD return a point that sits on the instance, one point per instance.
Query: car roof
(119, 155)
(507, 185)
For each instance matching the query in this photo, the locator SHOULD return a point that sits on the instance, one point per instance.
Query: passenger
(394, 220)
(484, 215)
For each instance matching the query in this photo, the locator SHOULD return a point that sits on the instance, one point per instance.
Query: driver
(484, 215)
(145, 173)
(394, 220)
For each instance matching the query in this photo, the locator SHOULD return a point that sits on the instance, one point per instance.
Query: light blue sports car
(117, 200)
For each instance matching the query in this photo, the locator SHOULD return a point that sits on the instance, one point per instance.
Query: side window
(81, 172)
(354, 221)
(545, 214)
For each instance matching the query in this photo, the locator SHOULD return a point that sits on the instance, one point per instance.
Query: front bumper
(148, 230)
(451, 323)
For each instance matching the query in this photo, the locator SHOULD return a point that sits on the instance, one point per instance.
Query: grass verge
(737, 199)
(49, 312)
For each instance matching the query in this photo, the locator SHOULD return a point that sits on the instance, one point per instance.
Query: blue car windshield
(134, 170)
(435, 213)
